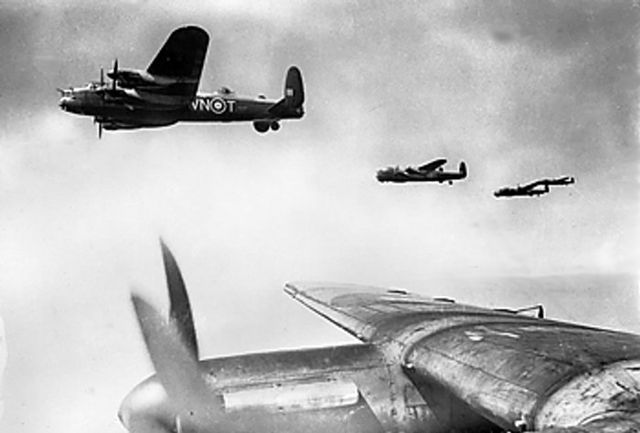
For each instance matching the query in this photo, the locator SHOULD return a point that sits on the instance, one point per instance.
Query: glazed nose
(144, 406)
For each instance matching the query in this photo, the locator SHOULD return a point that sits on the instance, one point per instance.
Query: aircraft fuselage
(126, 110)
(389, 175)
(520, 193)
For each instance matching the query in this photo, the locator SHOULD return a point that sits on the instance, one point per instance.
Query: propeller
(173, 350)
(176, 368)
(101, 77)
(180, 308)
(114, 74)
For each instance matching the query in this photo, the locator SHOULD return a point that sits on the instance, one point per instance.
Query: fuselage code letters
(214, 105)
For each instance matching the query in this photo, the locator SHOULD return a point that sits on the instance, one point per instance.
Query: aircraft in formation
(535, 188)
(430, 172)
(166, 93)
(423, 365)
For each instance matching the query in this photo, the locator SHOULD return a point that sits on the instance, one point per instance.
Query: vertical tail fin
(290, 106)
(463, 169)
(293, 88)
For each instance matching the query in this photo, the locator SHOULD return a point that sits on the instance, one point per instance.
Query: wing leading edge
(433, 165)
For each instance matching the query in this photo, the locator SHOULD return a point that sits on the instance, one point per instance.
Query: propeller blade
(62, 92)
(101, 77)
(180, 308)
(115, 74)
(176, 368)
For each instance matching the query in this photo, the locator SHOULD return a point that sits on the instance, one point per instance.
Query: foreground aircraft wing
(433, 165)
(179, 64)
(520, 372)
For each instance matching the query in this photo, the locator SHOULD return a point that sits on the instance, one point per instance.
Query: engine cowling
(261, 126)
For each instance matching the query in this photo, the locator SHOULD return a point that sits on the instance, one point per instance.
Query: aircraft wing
(368, 313)
(517, 371)
(533, 184)
(179, 63)
(433, 165)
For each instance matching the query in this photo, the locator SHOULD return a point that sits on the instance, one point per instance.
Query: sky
(517, 89)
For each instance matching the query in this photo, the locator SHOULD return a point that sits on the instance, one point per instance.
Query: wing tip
(192, 28)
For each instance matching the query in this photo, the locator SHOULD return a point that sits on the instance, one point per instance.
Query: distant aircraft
(166, 93)
(535, 188)
(423, 365)
(430, 172)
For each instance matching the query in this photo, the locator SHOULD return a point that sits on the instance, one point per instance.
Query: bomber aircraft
(165, 93)
(429, 172)
(535, 188)
(423, 365)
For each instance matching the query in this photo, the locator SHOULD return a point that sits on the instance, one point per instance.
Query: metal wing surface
(518, 371)
(433, 165)
(179, 63)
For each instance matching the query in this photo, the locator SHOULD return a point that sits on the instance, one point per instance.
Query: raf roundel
(218, 105)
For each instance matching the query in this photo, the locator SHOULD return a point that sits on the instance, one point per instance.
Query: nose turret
(65, 102)
(71, 102)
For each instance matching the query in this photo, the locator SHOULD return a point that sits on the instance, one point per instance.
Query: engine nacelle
(261, 126)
